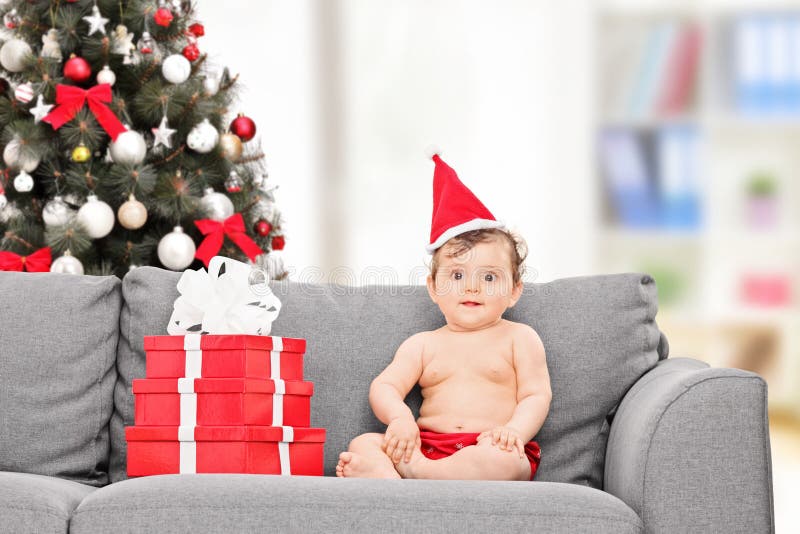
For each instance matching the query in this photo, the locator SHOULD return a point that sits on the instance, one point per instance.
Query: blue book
(677, 150)
(777, 66)
(793, 90)
(629, 185)
(752, 92)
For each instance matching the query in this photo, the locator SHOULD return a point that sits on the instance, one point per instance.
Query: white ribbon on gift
(188, 450)
(275, 358)
(188, 447)
(223, 303)
(193, 364)
(277, 402)
(283, 449)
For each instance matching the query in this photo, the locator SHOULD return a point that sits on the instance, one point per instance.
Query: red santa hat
(456, 209)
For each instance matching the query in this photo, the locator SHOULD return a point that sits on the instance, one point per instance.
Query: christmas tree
(120, 146)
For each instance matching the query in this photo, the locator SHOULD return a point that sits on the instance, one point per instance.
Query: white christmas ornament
(132, 214)
(211, 83)
(24, 92)
(176, 69)
(17, 158)
(216, 206)
(23, 183)
(274, 264)
(96, 217)
(40, 110)
(163, 134)
(176, 250)
(203, 137)
(223, 301)
(97, 23)
(122, 42)
(14, 54)
(67, 264)
(9, 213)
(56, 212)
(129, 148)
(106, 75)
(50, 47)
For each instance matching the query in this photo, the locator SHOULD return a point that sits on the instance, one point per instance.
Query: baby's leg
(483, 461)
(365, 458)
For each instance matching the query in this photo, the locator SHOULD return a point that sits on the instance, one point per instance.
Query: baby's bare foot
(352, 464)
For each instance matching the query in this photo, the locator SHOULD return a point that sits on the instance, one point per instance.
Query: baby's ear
(431, 287)
(516, 293)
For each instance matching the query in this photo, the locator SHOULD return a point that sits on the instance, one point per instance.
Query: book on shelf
(678, 176)
(654, 70)
(653, 179)
(766, 58)
(626, 173)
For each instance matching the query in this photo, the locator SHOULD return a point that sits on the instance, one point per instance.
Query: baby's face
(474, 289)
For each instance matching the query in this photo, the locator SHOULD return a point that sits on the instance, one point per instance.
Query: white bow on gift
(231, 298)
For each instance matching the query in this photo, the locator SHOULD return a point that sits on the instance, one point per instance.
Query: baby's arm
(386, 396)
(533, 392)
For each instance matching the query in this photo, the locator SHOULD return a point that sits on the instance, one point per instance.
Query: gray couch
(634, 442)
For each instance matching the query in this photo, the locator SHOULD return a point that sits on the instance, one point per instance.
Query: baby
(484, 380)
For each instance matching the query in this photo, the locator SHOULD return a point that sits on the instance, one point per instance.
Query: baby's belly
(466, 407)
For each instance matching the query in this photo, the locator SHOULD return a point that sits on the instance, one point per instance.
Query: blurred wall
(347, 94)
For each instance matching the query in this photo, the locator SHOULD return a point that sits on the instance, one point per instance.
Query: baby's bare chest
(448, 363)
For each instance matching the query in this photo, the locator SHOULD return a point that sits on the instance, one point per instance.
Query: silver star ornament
(40, 110)
(97, 23)
(163, 134)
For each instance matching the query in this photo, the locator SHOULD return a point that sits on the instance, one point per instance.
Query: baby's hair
(466, 241)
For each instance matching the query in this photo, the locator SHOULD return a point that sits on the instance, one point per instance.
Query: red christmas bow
(70, 100)
(38, 262)
(215, 232)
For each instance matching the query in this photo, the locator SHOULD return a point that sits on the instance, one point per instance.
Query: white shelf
(709, 318)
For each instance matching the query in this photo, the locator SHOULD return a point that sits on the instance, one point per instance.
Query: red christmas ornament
(263, 228)
(278, 242)
(191, 52)
(197, 29)
(163, 16)
(77, 69)
(243, 127)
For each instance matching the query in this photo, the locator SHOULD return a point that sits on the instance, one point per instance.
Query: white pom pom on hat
(432, 150)
(456, 209)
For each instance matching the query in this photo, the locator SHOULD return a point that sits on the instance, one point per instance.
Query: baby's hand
(507, 437)
(402, 435)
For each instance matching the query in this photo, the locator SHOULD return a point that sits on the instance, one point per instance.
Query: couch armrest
(689, 450)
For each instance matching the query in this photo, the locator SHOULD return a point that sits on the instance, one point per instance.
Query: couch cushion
(599, 335)
(255, 503)
(36, 503)
(57, 352)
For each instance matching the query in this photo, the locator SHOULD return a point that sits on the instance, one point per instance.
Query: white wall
(347, 94)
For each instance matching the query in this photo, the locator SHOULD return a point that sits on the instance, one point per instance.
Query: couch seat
(259, 503)
(36, 503)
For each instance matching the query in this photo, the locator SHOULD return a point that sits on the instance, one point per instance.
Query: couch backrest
(599, 334)
(58, 343)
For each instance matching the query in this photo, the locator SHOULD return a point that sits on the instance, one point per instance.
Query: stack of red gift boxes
(223, 404)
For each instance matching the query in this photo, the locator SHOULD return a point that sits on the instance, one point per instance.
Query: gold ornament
(81, 154)
(132, 214)
(231, 146)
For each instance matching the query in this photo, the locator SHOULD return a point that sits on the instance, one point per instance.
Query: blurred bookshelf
(697, 149)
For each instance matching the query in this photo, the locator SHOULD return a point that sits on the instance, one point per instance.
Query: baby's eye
(457, 275)
(489, 277)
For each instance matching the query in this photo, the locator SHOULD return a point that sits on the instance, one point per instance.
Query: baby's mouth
(471, 303)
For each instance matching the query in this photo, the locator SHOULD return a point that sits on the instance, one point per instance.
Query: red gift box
(266, 450)
(224, 356)
(221, 401)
